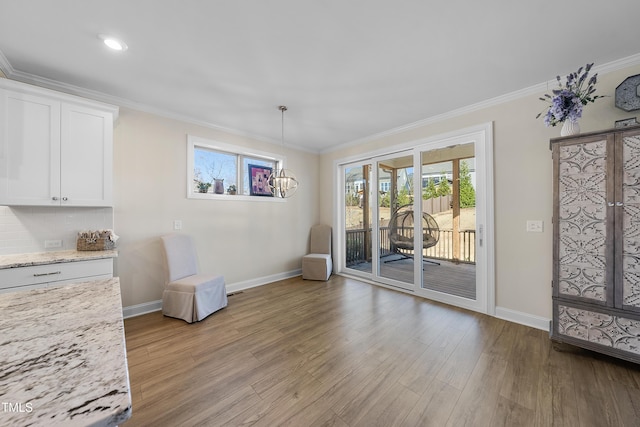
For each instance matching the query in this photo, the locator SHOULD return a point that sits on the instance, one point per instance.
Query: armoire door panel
(582, 216)
(628, 217)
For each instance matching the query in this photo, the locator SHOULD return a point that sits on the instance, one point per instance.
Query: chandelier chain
(283, 108)
(283, 183)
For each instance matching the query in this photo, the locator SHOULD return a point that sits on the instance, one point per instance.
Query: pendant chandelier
(283, 182)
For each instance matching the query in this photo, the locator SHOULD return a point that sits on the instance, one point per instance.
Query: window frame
(241, 153)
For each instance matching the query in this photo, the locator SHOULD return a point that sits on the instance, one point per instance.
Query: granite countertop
(40, 258)
(63, 356)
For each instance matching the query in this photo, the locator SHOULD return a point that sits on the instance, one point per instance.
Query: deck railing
(357, 253)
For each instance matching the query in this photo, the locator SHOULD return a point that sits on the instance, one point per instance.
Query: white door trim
(482, 136)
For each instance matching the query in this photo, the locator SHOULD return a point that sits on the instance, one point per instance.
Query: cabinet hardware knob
(54, 198)
(619, 204)
(610, 204)
(64, 199)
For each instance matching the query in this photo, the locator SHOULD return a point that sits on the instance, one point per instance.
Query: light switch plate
(535, 226)
(177, 224)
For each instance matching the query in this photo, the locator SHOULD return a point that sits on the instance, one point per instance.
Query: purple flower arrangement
(567, 101)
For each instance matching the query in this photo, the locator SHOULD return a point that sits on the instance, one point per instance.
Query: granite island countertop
(41, 258)
(63, 356)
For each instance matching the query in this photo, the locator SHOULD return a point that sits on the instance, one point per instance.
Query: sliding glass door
(448, 199)
(377, 240)
(416, 220)
(395, 230)
(358, 217)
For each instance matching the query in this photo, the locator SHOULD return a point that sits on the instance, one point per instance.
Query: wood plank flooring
(346, 353)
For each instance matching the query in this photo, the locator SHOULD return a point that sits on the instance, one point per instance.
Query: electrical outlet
(535, 226)
(50, 244)
(177, 224)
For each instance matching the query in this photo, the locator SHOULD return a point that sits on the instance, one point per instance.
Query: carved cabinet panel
(600, 328)
(582, 221)
(596, 242)
(630, 223)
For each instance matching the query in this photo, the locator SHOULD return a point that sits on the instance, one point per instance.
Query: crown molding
(609, 67)
(618, 64)
(44, 82)
(13, 74)
(5, 66)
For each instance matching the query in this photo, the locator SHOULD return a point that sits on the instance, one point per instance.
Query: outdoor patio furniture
(401, 226)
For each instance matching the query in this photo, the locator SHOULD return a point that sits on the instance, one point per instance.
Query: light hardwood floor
(346, 353)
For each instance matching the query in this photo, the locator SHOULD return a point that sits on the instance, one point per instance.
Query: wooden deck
(448, 277)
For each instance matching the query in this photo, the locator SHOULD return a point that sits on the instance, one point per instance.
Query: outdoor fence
(356, 251)
(436, 205)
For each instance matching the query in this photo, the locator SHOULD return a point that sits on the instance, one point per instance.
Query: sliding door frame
(482, 137)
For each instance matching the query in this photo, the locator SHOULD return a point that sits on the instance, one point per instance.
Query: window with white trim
(215, 169)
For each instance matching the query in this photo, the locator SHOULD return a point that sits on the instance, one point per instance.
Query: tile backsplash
(24, 229)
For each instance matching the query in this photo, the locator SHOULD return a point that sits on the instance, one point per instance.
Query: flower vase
(570, 127)
(218, 186)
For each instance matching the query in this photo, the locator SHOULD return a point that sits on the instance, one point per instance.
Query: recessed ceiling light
(114, 43)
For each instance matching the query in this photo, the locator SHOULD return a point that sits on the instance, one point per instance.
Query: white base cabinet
(48, 275)
(55, 149)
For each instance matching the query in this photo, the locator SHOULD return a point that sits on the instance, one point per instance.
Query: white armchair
(188, 295)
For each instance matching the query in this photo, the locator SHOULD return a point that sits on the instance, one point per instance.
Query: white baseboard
(149, 307)
(140, 309)
(248, 284)
(523, 318)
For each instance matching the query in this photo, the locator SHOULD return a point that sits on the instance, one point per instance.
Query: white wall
(255, 242)
(248, 242)
(522, 175)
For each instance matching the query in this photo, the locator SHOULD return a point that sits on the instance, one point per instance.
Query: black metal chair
(401, 233)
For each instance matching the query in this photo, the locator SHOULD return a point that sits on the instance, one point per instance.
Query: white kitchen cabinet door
(29, 149)
(86, 156)
(55, 149)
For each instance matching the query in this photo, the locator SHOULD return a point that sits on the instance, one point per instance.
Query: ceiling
(346, 69)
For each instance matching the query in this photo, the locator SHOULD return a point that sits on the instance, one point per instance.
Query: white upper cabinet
(86, 156)
(55, 149)
(29, 149)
